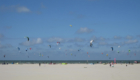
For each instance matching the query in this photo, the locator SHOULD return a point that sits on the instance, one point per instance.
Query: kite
(102, 53)
(119, 46)
(87, 52)
(129, 51)
(27, 38)
(91, 43)
(118, 51)
(59, 48)
(79, 49)
(58, 43)
(39, 54)
(18, 49)
(49, 45)
(71, 53)
(30, 48)
(48, 56)
(26, 49)
(71, 25)
(106, 54)
(112, 48)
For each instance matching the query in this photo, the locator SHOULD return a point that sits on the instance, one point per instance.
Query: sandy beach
(69, 72)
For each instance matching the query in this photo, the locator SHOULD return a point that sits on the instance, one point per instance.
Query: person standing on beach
(126, 65)
(110, 64)
(39, 64)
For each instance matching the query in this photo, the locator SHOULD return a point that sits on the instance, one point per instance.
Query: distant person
(129, 62)
(110, 64)
(126, 65)
(39, 64)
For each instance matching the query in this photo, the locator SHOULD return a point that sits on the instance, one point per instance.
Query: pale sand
(69, 72)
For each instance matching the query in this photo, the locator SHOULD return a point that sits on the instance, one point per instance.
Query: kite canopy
(27, 38)
(112, 48)
(106, 54)
(49, 45)
(18, 48)
(79, 49)
(71, 25)
(58, 43)
(27, 49)
(30, 48)
(91, 43)
(129, 50)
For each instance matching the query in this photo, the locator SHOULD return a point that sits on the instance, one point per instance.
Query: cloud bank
(15, 8)
(33, 42)
(84, 30)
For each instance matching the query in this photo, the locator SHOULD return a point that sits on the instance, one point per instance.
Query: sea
(66, 61)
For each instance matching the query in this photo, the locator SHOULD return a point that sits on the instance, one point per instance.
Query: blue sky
(110, 23)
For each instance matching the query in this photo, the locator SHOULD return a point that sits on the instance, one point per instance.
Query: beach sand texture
(69, 72)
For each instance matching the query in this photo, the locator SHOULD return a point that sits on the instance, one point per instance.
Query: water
(65, 61)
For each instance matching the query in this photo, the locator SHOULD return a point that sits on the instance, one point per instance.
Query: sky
(110, 23)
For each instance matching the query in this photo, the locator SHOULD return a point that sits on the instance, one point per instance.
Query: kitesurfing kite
(18, 49)
(79, 49)
(87, 52)
(27, 49)
(27, 38)
(71, 25)
(112, 48)
(91, 43)
(58, 43)
(39, 54)
(119, 46)
(118, 51)
(30, 48)
(49, 45)
(129, 51)
(106, 54)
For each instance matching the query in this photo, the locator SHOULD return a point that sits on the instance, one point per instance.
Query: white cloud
(117, 37)
(138, 35)
(1, 36)
(43, 6)
(55, 39)
(102, 43)
(22, 9)
(101, 38)
(76, 40)
(93, 38)
(5, 46)
(130, 41)
(33, 42)
(14, 8)
(129, 37)
(84, 30)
